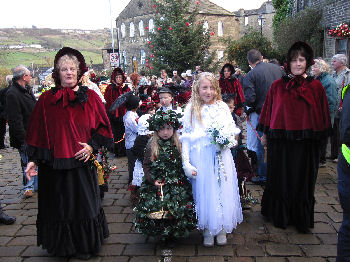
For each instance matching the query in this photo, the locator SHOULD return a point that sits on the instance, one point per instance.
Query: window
(151, 25)
(124, 57)
(141, 28)
(122, 29)
(206, 26)
(246, 20)
(132, 29)
(220, 54)
(342, 46)
(220, 29)
(143, 57)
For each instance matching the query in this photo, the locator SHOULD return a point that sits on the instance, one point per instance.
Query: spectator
(321, 71)
(256, 84)
(20, 102)
(176, 78)
(3, 114)
(342, 79)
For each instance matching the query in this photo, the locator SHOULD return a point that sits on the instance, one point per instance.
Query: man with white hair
(20, 102)
(342, 78)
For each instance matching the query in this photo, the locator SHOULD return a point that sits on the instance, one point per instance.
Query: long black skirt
(70, 217)
(118, 130)
(292, 168)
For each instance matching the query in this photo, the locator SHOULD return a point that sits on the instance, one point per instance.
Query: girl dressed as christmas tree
(208, 133)
(166, 208)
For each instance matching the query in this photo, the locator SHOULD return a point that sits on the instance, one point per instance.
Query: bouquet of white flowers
(222, 135)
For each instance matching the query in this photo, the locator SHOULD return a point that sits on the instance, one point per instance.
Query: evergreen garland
(178, 199)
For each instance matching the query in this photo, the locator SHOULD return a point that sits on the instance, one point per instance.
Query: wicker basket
(162, 214)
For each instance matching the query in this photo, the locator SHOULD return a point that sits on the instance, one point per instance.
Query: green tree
(283, 9)
(236, 50)
(305, 26)
(179, 42)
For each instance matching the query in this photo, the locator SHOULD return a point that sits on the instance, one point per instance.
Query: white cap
(189, 72)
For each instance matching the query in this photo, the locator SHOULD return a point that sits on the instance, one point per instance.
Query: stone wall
(334, 12)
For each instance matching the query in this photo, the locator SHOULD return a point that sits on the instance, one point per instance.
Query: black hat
(304, 49)
(165, 90)
(68, 51)
(132, 102)
(118, 71)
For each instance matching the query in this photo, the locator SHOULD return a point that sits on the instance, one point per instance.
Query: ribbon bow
(298, 84)
(67, 94)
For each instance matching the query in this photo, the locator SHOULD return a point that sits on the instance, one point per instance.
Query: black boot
(6, 219)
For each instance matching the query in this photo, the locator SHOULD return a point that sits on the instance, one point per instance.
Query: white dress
(216, 195)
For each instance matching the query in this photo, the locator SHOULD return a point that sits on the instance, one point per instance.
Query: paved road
(255, 240)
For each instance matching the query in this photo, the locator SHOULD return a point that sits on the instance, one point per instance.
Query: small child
(165, 187)
(130, 123)
(166, 100)
(210, 166)
(243, 167)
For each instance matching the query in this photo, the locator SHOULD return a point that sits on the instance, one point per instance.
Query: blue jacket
(331, 91)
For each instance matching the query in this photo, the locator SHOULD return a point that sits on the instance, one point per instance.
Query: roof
(265, 8)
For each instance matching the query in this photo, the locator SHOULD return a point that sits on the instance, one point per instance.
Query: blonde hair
(322, 65)
(195, 101)
(155, 146)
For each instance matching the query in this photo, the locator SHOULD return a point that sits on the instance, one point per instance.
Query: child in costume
(166, 98)
(207, 135)
(130, 123)
(165, 186)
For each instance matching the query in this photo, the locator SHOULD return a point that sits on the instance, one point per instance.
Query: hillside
(39, 46)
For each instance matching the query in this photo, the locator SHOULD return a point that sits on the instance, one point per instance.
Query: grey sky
(80, 14)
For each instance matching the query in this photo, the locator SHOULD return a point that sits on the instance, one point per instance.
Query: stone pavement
(255, 240)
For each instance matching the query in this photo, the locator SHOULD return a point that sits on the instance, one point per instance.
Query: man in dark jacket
(3, 114)
(256, 84)
(20, 102)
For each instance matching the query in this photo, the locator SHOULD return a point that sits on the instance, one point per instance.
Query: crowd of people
(182, 136)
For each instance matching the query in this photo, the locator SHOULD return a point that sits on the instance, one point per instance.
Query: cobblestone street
(255, 240)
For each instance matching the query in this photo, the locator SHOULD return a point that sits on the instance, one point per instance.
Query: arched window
(122, 29)
(141, 28)
(246, 20)
(220, 29)
(151, 25)
(143, 57)
(206, 26)
(132, 29)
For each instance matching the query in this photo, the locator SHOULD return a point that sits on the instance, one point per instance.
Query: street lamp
(261, 21)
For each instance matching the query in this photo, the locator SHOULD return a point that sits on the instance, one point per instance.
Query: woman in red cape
(229, 84)
(294, 119)
(113, 91)
(67, 125)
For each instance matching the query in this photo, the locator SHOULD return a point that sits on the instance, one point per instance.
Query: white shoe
(208, 239)
(221, 239)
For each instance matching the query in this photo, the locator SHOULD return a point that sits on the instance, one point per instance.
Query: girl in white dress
(209, 166)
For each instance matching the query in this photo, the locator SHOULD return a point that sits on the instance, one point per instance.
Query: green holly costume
(179, 218)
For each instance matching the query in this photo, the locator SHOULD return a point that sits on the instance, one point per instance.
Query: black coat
(138, 149)
(20, 103)
(3, 93)
(257, 83)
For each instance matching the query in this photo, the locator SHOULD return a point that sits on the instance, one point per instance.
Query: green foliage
(283, 9)
(177, 192)
(179, 41)
(305, 26)
(3, 73)
(236, 50)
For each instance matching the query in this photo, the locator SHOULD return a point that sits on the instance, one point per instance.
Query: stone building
(334, 12)
(259, 19)
(138, 15)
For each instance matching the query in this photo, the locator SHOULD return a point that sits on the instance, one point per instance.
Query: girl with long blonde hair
(208, 163)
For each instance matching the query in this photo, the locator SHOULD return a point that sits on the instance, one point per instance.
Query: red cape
(295, 108)
(111, 94)
(55, 127)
